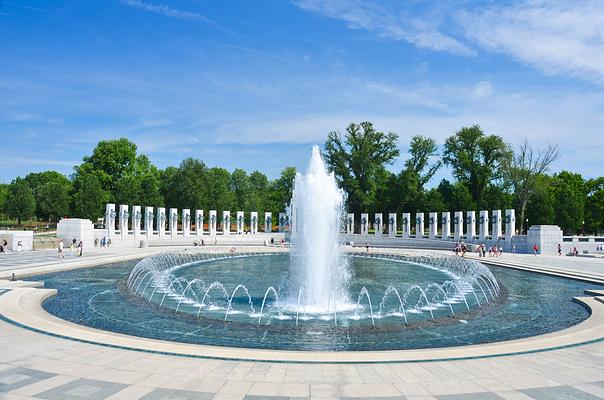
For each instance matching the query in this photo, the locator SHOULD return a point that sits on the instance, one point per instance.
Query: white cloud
(168, 11)
(555, 36)
(390, 23)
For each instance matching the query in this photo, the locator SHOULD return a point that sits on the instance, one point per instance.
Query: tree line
(488, 174)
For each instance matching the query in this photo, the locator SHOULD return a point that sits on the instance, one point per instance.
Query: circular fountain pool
(393, 302)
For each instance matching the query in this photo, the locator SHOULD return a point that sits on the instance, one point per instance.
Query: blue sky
(253, 84)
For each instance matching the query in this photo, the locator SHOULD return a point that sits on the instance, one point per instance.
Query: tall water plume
(317, 260)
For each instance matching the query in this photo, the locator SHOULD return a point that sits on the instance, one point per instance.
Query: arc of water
(213, 285)
(142, 280)
(226, 314)
(362, 293)
(297, 308)
(423, 294)
(487, 285)
(182, 296)
(483, 292)
(271, 289)
(446, 297)
(392, 289)
(461, 293)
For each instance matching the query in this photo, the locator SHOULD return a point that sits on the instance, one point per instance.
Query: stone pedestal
(268, 222)
(137, 218)
(212, 221)
(510, 223)
(419, 225)
(483, 224)
(226, 222)
(110, 216)
(27, 238)
(392, 224)
(161, 222)
(173, 222)
(124, 215)
(432, 225)
(496, 224)
(75, 228)
(350, 223)
(546, 237)
(240, 222)
(377, 223)
(445, 220)
(199, 223)
(458, 223)
(254, 222)
(149, 222)
(186, 222)
(364, 224)
(471, 225)
(406, 225)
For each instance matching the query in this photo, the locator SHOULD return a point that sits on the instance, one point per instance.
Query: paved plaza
(35, 365)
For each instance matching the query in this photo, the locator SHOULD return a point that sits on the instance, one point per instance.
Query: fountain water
(316, 256)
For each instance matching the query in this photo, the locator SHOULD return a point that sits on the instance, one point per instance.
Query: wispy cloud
(168, 11)
(555, 36)
(390, 22)
(259, 53)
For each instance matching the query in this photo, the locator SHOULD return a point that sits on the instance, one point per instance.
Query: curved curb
(23, 307)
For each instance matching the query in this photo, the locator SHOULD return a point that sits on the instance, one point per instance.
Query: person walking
(559, 249)
(61, 255)
(80, 248)
(535, 248)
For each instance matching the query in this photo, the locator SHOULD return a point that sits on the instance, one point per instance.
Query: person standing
(559, 249)
(535, 249)
(80, 248)
(61, 255)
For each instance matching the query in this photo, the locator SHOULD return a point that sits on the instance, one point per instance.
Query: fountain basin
(528, 304)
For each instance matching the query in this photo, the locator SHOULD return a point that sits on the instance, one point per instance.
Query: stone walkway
(39, 366)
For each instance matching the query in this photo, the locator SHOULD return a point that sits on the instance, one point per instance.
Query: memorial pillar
(212, 222)
(240, 222)
(471, 223)
(282, 221)
(350, 223)
(186, 222)
(392, 224)
(110, 219)
(458, 222)
(432, 225)
(198, 223)
(161, 222)
(419, 225)
(483, 223)
(173, 222)
(124, 215)
(446, 225)
(496, 221)
(149, 222)
(254, 222)
(137, 218)
(226, 222)
(510, 224)
(377, 224)
(364, 224)
(268, 222)
(406, 225)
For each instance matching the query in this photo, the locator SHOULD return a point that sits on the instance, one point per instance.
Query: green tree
(3, 195)
(187, 186)
(37, 181)
(570, 194)
(54, 200)
(456, 195)
(358, 161)
(241, 188)
(219, 192)
(594, 208)
(89, 197)
(281, 190)
(540, 209)
(259, 192)
(476, 159)
(20, 201)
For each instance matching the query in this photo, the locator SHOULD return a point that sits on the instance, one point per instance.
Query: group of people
(460, 247)
(72, 248)
(104, 242)
(494, 250)
(4, 246)
(199, 242)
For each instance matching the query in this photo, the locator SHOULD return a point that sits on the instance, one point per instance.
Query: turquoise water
(529, 304)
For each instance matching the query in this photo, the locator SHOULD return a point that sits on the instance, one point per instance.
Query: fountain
(313, 285)
(316, 257)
